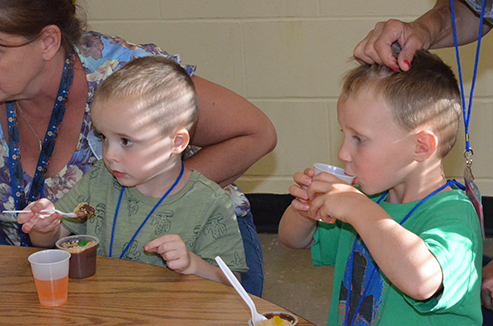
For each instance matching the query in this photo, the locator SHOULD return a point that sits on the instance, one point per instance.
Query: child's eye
(126, 142)
(100, 135)
(359, 139)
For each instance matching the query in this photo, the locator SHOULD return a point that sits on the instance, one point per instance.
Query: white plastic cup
(338, 172)
(50, 271)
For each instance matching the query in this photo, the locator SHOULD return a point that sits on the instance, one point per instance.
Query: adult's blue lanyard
(372, 268)
(15, 166)
(142, 225)
(472, 190)
(467, 113)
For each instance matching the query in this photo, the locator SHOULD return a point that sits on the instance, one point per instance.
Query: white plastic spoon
(45, 211)
(256, 317)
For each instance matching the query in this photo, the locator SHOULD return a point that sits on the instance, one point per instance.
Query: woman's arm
(438, 21)
(432, 30)
(233, 132)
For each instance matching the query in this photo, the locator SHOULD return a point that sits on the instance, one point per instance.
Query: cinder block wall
(287, 57)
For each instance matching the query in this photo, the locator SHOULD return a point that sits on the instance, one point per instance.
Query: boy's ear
(180, 141)
(50, 41)
(426, 143)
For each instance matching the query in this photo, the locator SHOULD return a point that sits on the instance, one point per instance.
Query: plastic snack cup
(285, 316)
(50, 271)
(338, 172)
(83, 249)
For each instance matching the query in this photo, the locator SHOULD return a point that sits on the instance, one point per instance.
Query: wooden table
(122, 293)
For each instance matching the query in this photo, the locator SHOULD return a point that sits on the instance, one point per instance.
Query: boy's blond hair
(426, 95)
(160, 89)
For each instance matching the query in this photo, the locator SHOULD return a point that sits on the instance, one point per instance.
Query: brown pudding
(83, 210)
(83, 250)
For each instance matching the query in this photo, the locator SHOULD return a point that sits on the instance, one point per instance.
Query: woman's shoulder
(99, 51)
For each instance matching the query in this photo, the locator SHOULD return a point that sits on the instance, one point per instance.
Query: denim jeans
(253, 280)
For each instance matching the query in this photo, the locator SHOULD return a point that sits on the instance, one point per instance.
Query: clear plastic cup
(50, 271)
(284, 316)
(338, 172)
(83, 249)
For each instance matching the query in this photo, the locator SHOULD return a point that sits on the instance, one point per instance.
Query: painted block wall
(287, 57)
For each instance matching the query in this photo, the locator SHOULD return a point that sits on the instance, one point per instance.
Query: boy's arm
(201, 268)
(401, 255)
(44, 230)
(178, 258)
(296, 230)
(47, 239)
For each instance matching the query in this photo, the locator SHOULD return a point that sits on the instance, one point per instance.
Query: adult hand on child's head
(42, 222)
(331, 198)
(487, 286)
(174, 251)
(376, 46)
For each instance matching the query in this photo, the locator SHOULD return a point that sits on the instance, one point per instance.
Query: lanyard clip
(468, 156)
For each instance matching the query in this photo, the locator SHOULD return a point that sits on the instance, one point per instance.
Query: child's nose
(343, 154)
(110, 153)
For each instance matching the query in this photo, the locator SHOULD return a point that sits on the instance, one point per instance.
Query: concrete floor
(294, 284)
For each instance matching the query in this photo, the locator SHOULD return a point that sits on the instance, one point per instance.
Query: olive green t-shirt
(201, 214)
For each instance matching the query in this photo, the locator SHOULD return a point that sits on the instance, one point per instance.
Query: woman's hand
(376, 46)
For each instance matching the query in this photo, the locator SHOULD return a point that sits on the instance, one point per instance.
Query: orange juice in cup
(50, 271)
(53, 292)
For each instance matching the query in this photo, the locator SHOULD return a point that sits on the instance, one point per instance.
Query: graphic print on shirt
(215, 227)
(99, 217)
(162, 222)
(133, 252)
(370, 297)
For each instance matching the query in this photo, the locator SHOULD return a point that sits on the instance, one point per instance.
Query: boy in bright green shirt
(406, 243)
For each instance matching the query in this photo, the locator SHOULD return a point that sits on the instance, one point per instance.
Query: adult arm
(233, 134)
(432, 30)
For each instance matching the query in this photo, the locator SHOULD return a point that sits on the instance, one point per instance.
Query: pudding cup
(83, 250)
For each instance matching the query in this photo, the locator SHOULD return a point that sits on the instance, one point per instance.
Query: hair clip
(396, 49)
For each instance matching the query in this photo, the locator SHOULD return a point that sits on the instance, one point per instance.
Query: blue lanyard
(372, 267)
(467, 114)
(16, 173)
(142, 225)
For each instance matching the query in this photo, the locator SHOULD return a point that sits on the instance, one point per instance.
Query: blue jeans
(253, 280)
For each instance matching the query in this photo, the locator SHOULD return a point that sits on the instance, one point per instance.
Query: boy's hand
(331, 199)
(303, 181)
(174, 251)
(42, 222)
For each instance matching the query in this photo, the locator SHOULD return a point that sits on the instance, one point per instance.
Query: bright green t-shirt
(201, 214)
(449, 226)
